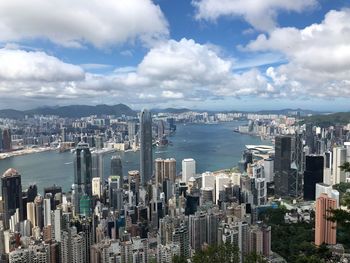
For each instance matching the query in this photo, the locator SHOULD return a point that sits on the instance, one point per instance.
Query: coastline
(24, 152)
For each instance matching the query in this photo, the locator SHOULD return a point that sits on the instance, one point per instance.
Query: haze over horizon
(199, 54)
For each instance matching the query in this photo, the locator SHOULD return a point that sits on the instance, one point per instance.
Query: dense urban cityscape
(163, 131)
(159, 214)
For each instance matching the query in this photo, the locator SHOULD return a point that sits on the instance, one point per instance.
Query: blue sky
(201, 54)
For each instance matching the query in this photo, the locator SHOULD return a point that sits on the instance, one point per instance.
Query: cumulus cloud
(173, 70)
(260, 14)
(19, 65)
(318, 55)
(75, 23)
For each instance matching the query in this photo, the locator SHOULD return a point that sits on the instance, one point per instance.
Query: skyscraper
(116, 166)
(339, 157)
(325, 230)
(146, 162)
(170, 169)
(313, 174)
(6, 140)
(188, 169)
(11, 194)
(82, 175)
(287, 166)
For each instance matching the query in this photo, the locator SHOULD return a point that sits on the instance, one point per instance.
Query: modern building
(188, 169)
(339, 158)
(11, 187)
(116, 166)
(146, 163)
(6, 140)
(82, 175)
(313, 174)
(325, 230)
(96, 186)
(287, 166)
(170, 169)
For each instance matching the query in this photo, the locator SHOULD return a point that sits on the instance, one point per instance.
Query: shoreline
(26, 151)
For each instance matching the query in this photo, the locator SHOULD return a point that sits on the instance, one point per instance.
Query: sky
(198, 54)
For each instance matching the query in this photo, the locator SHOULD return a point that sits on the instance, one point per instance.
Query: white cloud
(319, 57)
(75, 23)
(261, 14)
(19, 65)
(173, 70)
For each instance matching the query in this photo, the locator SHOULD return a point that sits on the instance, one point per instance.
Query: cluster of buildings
(156, 212)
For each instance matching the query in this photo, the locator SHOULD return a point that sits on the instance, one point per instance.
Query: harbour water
(213, 146)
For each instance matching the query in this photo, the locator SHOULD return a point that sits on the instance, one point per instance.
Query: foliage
(294, 242)
(224, 253)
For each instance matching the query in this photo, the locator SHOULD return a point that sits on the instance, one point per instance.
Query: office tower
(6, 140)
(325, 230)
(134, 178)
(146, 158)
(97, 164)
(327, 169)
(39, 215)
(159, 171)
(116, 166)
(115, 193)
(322, 188)
(208, 180)
(188, 169)
(58, 224)
(313, 174)
(170, 169)
(220, 181)
(268, 170)
(96, 186)
(31, 214)
(47, 211)
(284, 176)
(309, 138)
(82, 175)
(11, 195)
(212, 226)
(207, 195)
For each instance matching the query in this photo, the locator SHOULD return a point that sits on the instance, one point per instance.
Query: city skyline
(228, 55)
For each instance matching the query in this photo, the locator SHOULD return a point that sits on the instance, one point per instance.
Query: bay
(213, 146)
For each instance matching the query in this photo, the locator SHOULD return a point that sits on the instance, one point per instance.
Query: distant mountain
(289, 112)
(72, 111)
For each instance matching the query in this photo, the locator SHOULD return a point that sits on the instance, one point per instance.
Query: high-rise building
(159, 170)
(131, 130)
(322, 188)
(6, 140)
(97, 164)
(82, 175)
(96, 186)
(188, 169)
(327, 169)
(325, 230)
(180, 236)
(11, 195)
(116, 166)
(284, 174)
(170, 169)
(313, 174)
(146, 158)
(39, 215)
(339, 158)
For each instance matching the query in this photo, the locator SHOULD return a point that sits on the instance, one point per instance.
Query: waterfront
(213, 146)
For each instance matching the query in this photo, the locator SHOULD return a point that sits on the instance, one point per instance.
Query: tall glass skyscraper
(146, 161)
(11, 187)
(82, 175)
